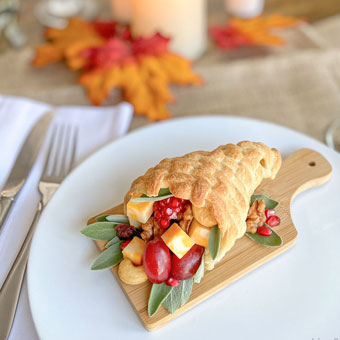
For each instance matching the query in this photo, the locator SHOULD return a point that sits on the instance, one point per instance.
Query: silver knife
(23, 165)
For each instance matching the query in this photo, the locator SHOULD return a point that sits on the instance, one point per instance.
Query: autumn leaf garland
(142, 68)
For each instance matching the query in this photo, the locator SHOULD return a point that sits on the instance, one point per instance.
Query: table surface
(56, 85)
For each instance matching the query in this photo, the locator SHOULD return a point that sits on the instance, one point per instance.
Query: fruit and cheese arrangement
(183, 215)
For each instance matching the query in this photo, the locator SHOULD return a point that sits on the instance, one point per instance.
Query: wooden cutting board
(302, 170)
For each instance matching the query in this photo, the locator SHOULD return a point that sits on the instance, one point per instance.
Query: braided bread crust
(219, 185)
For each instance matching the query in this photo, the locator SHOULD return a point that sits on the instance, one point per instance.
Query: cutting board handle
(310, 169)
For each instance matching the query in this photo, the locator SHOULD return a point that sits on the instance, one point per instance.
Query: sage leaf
(162, 194)
(186, 291)
(118, 219)
(116, 239)
(173, 301)
(200, 272)
(270, 204)
(164, 191)
(179, 296)
(274, 240)
(159, 292)
(109, 257)
(103, 231)
(101, 218)
(214, 241)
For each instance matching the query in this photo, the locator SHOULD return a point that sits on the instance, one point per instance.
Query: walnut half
(256, 216)
(151, 230)
(186, 219)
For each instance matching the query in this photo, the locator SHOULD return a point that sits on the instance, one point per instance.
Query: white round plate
(294, 296)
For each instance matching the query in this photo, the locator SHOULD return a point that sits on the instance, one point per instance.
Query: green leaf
(101, 218)
(274, 240)
(103, 231)
(118, 219)
(186, 290)
(200, 272)
(116, 239)
(270, 204)
(214, 241)
(109, 257)
(178, 296)
(159, 292)
(162, 194)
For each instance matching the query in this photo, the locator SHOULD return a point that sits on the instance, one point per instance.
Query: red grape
(157, 261)
(187, 266)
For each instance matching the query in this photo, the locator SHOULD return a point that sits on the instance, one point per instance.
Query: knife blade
(23, 165)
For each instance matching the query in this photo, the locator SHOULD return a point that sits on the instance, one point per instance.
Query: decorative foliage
(67, 43)
(248, 32)
(110, 58)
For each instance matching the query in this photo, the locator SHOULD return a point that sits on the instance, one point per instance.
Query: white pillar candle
(122, 10)
(244, 8)
(184, 21)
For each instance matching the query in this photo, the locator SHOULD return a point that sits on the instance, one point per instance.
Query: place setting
(169, 170)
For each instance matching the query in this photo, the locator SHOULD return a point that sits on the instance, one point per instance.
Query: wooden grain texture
(300, 171)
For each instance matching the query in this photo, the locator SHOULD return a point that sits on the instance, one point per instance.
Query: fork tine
(54, 171)
(63, 153)
(74, 148)
(69, 150)
(50, 148)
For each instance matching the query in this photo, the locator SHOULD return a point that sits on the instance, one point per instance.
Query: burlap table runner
(296, 86)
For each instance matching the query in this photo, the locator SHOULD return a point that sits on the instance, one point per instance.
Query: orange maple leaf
(144, 83)
(258, 29)
(67, 43)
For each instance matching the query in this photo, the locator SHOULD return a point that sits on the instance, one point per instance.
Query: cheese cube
(177, 240)
(199, 233)
(134, 251)
(140, 211)
(134, 222)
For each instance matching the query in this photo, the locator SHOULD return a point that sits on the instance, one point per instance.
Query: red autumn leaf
(124, 32)
(114, 52)
(155, 45)
(106, 29)
(229, 37)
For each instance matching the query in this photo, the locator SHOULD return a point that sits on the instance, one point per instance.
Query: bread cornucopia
(183, 215)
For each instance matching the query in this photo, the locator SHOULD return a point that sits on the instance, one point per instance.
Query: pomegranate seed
(124, 244)
(173, 216)
(164, 223)
(269, 212)
(168, 209)
(273, 221)
(172, 282)
(174, 202)
(264, 231)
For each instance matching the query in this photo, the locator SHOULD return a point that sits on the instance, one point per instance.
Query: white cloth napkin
(97, 126)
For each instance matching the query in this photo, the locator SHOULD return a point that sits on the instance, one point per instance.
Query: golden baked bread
(219, 185)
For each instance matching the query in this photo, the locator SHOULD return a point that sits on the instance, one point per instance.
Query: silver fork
(58, 164)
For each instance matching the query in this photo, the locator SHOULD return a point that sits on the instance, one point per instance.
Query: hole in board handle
(312, 163)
